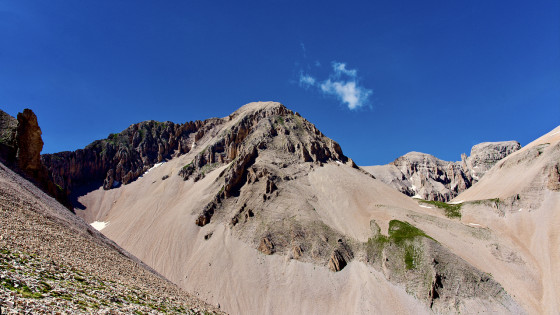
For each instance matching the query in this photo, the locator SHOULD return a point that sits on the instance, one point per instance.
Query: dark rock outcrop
(266, 246)
(337, 261)
(29, 143)
(123, 157)
(8, 146)
(20, 149)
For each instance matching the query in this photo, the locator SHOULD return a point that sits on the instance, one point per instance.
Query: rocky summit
(424, 176)
(260, 212)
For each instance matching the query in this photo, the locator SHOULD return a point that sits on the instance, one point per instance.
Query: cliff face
(20, 149)
(427, 177)
(123, 157)
(8, 129)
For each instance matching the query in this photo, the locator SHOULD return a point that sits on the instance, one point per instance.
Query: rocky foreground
(53, 262)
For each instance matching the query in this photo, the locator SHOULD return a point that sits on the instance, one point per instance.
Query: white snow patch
(474, 224)
(455, 202)
(193, 145)
(520, 209)
(426, 207)
(99, 225)
(155, 165)
(339, 162)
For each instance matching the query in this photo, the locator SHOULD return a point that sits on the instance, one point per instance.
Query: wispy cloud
(303, 49)
(340, 69)
(342, 83)
(306, 80)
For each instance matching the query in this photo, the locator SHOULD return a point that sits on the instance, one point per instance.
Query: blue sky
(380, 77)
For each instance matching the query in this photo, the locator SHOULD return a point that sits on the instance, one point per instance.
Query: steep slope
(263, 208)
(427, 177)
(52, 261)
(519, 199)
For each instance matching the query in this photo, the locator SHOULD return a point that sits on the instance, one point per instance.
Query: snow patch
(427, 207)
(155, 166)
(99, 225)
(455, 202)
(520, 209)
(339, 162)
(474, 224)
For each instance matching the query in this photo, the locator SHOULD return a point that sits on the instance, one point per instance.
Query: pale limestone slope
(154, 219)
(527, 216)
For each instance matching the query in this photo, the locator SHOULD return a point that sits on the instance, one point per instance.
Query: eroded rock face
(8, 129)
(554, 178)
(125, 156)
(20, 149)
(337, 261)
(270, 131)
(427, 177)
(29, 142)
(485, 155)
(266, 246)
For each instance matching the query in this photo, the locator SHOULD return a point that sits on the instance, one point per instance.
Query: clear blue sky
(380, 77)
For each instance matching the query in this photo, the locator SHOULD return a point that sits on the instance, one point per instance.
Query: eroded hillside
(264, 205)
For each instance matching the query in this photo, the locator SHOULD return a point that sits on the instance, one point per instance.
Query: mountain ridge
(264, 189)
(424, 176)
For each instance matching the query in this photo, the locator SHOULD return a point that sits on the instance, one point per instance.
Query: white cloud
(340, 68)
(342, 83)
(350, 93)
(306, 80)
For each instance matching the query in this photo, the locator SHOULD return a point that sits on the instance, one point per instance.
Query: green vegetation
(279, 120)
(31, 277)
(375, 245)
(489, 202)
(411, 257)
(451, 210)
(401, 235)
(20, 288)
(208, 168)
(400, 231)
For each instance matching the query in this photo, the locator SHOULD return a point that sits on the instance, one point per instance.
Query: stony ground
(31, 284)
(52, 262)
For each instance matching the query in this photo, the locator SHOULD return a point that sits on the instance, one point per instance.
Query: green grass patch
(400, 231)
(451, 210)
(411, 257)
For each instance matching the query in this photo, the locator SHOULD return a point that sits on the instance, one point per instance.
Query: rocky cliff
(123, 157)
(424, 176)
(20, 149)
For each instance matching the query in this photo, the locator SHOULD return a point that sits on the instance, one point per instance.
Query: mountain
(424, 176)
(262, 213)
(519, 200)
